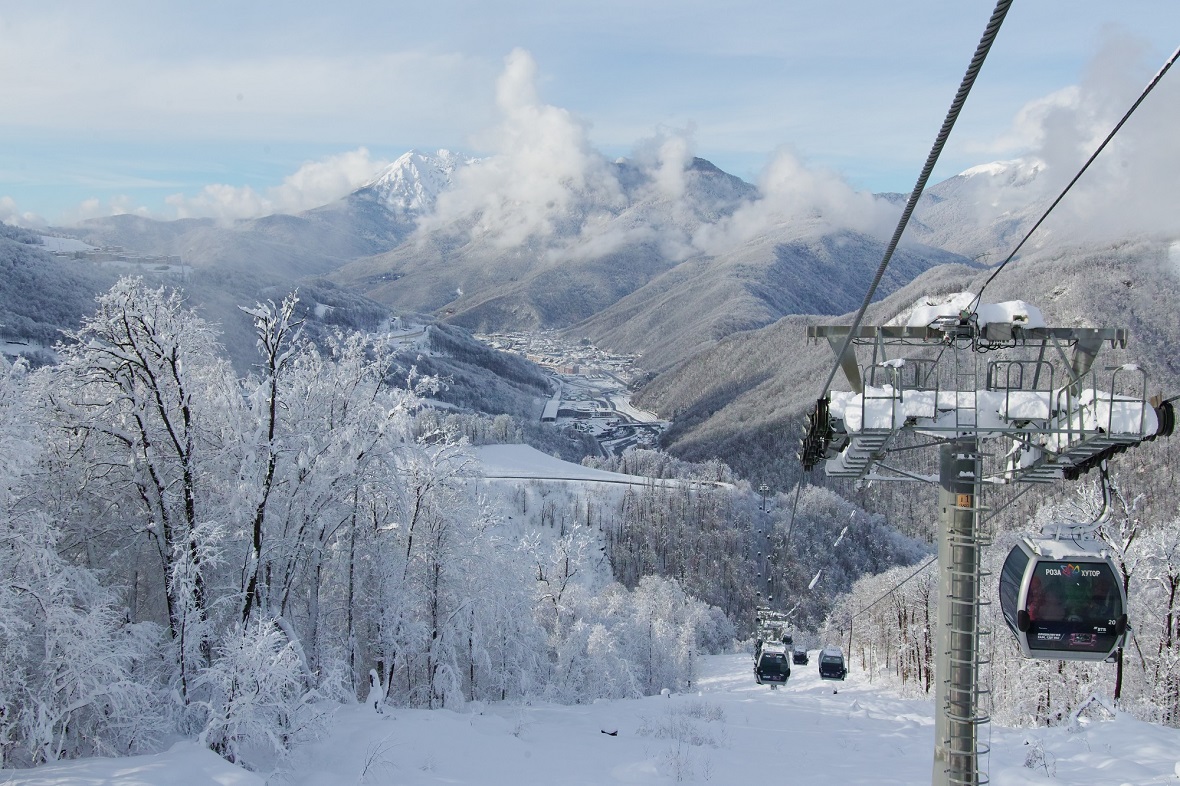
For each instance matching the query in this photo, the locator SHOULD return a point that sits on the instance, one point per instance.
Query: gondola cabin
(1063, 599)
(831, 664)
(773, 665)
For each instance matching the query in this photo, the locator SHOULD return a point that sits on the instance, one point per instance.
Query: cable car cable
(791, 526)
(1126, 116)
(931, 560)
(981, 50)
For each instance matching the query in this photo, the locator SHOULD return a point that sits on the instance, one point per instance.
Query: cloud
(71, 68)
(1130, 188)
(541, 172)
(791, 192)
(543, 183)
(666, 157)
(656, 212)
(97, 208)
(11, 214)
(1027, 130)
(313, 184)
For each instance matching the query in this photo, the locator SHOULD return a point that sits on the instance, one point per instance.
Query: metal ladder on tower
(968, 690)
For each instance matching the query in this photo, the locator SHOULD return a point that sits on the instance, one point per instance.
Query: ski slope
(727, 730)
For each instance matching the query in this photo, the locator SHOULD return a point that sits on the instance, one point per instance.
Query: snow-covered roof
(1011, 312)
(988, 410)
(1069, 549)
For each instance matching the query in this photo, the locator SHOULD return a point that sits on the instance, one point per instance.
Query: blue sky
(231, 108)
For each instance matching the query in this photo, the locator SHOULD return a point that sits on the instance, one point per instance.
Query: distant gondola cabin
(831, 664)
(1063, 599)
(773, 666)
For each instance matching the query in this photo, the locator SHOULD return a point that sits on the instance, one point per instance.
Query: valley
(592, 389)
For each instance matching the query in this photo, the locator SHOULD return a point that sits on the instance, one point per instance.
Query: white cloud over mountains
(791, 192)
(313, 184)
(541, 169)
(10, 213)
(541, 179)
(1130, 188)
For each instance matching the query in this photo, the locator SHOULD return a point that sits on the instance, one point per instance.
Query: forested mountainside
(42, 295)
(45, 297)
(702, 300)
(180, 531)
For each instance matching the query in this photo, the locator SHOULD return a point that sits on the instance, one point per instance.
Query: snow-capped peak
(1015, 172)
(412, 183)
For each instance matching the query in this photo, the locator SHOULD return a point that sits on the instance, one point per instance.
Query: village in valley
(591, 389)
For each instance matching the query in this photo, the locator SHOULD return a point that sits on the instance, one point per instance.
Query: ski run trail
(725, 730)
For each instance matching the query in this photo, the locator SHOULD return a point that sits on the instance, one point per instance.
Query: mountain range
(638, 257)
(710, 279)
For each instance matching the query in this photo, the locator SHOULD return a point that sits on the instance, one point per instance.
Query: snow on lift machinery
(1060, 593)
(771, 626)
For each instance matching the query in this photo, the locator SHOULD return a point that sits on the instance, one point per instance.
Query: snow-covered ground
(64, 245)
(15, 348)
(523, 461)
(622, 403)
(727, 730)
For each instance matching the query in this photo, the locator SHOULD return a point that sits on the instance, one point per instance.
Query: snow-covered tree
(76, 678)
(144, 408)
(256, 704)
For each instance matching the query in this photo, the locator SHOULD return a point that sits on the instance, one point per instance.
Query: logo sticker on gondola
(1073, 571)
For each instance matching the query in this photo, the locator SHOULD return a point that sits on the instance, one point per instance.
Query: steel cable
(985, 44)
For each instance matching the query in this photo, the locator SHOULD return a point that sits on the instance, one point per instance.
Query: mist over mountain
(605, 242)
(640, 261)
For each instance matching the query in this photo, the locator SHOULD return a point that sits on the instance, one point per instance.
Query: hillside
(794, 270)
(41, 295)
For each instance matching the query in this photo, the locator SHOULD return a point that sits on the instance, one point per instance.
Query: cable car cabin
(1063, 599)
(773, 665)
(831, 664)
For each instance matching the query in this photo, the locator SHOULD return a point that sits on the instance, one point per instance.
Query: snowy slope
(983, 211)
(523, 461)
(64, 244)
(727, 731)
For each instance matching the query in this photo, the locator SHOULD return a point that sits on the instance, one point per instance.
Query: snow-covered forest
(190, 554)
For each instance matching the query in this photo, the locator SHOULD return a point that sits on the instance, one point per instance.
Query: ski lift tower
(963, 378)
